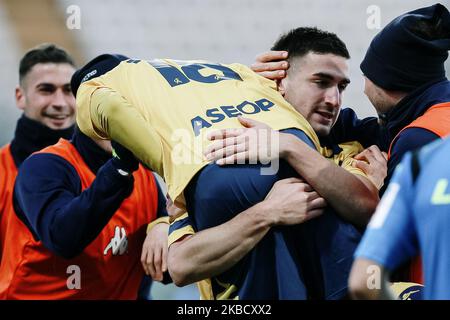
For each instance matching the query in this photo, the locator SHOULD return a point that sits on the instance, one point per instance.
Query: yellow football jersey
(162, 109)
(344, 159)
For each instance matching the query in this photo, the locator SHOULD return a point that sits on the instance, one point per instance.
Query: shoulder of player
(48, 167)
(411, 139)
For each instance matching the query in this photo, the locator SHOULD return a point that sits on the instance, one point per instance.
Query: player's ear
(20, 98)
(281, 86)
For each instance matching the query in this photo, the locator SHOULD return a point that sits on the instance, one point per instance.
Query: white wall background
(9, 77)
(217, 30)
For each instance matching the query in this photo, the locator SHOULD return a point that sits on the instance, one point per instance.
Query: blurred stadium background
(217, 30)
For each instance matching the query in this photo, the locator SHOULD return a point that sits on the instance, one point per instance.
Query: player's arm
(154, 249)
(408, 140)
(112, 117)
(271, 65)
(212, 251)
(390, 239)
(370, 281)
(66, 219)
(332, 182)
(373, 162)
(329, 180)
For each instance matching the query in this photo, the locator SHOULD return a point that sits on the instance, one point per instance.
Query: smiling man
(44, 92)
(48, 114)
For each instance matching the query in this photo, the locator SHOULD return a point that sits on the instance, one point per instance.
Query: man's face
(45, 95)
(378, 97)
(314, 86)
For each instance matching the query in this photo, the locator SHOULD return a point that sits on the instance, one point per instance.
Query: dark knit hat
(94, 68)
(406, 54)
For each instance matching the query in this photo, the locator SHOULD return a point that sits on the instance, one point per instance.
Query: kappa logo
(407, 296)
(118, 243)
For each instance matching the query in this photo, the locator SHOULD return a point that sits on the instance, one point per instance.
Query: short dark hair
(44, 53)
(300, 41)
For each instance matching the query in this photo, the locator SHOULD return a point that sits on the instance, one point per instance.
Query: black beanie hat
(400, 60)
(94, 68)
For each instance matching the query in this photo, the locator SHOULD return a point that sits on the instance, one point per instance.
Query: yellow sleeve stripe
(228, 292)
(159, 220)
(178, 234)
(205, 289)
(183, 216)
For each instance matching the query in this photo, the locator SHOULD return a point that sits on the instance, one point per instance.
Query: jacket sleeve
(162, 210)
(408, 140)
(48, 195)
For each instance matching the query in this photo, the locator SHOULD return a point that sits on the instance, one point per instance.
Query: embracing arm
(331, 181)
(154, 249)
(390, 239)
(212, 251)
(272, 65)
(191, 259)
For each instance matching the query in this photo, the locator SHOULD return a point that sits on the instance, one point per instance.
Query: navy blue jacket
(48, 197)
(368, 132)
(406, 111)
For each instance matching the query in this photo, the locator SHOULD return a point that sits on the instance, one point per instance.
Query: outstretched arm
(112, 117)
(65, 218)
(329, 180)
(390, 238)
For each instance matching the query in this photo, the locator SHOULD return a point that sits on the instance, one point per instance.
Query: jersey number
(191, 71)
